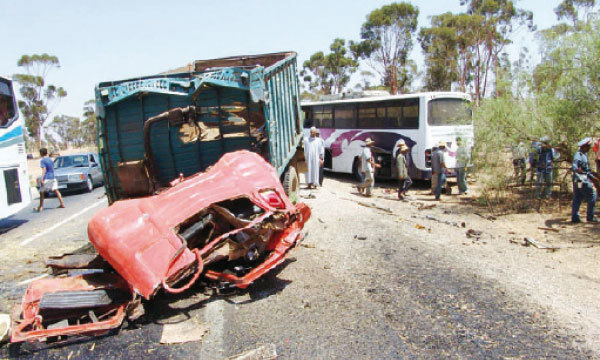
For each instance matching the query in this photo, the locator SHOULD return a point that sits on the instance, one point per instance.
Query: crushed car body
(228, 226)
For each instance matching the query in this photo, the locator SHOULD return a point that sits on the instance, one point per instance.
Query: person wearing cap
(368, 166)
(314, 152)
(402, 166)
(438, 168)
(583, 187)
(463, 158)
(544, 163)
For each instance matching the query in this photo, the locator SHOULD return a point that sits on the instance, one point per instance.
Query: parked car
(77, 172)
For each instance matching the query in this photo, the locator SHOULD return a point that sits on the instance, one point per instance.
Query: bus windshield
(449, 112)
(7, 108)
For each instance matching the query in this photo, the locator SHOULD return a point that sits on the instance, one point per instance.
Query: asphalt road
(385, 294)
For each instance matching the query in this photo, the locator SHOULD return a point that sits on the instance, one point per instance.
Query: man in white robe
(314, 152)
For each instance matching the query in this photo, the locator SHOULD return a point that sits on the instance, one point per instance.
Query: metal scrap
(182, 332)
(263, 352)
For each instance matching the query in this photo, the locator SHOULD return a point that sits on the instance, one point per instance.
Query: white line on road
(212, 344)
(27, 241)
(33, 279)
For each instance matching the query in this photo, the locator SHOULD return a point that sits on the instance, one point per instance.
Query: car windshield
(73, 160)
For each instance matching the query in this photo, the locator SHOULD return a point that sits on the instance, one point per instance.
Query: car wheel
(89, 184)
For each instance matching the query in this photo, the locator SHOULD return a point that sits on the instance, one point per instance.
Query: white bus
(14, 178)
(422, 120)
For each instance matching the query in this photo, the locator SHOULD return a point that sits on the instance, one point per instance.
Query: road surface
(364, 284)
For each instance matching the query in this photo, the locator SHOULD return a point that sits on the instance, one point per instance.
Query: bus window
(371, 116)
(403, 114)
(345, 117)
(323, 117)
(308, 119)
(449, 112)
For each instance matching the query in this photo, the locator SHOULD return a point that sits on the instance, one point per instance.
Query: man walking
(544, 163)
(438, 168)
(368, 166)
(463, 158)
(314, 153)
(48, 181)
(402, 166)
(582, 183)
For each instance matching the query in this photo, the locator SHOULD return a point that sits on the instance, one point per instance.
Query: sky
(98, 41)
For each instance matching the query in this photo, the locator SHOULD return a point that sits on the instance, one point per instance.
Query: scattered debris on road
(182, 332)
(448, 222)
(474, 234)
(231, 232)
(531, 241)
(357, 237)
(263, 352)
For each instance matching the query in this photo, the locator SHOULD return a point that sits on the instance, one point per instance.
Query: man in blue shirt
(48, 181)
(544, 168)
(582, 183)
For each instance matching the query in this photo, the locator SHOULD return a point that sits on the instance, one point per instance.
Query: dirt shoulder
(563, 279)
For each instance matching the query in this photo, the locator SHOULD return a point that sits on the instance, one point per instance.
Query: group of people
(542, 158)
(438, 168)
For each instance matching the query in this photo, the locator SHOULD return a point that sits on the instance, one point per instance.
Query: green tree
(440, 47)
(327, 74)
(68, 128)
(569, 9)
(88, 124)
(387, 41)
(567, 81)
(340, 65)
(496, 19)
(316, 74)
(38, 98)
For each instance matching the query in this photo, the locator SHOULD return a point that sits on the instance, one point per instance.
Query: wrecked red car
(229, 226)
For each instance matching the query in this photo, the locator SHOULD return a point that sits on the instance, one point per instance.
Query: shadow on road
(10, 223)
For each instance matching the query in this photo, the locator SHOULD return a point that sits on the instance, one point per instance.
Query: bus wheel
(355, 172)
(291, 184)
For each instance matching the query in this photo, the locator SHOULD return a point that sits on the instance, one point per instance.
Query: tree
(327, 74)
(340, 65)
(440, 47)
(88, 124)
(68, 128)
(387, 41)
(495, 19)
(38, 97)
(569, 9)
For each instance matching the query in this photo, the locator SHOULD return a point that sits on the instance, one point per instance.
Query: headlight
(76, 177)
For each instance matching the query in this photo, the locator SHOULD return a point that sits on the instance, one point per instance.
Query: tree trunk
(393, 78)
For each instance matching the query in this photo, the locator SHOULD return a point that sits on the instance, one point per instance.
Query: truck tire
(291, 184)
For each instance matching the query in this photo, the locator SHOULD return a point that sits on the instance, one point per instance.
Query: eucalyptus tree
(38, 97)
(387, 39)
(329, 74)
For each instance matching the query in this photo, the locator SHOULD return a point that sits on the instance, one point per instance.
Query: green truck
(155, 129)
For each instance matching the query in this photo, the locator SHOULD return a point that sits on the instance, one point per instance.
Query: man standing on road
(402, 165)
(582, 183)
(544, 163)
(321, 175)
(438, 168)
(48, 181)
(368, 166)
(463, 158)
(314, 154)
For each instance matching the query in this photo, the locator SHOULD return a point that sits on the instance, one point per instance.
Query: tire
(291, 184)
(89, 184)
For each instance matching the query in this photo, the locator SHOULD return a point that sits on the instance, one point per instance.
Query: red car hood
(136, 236)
